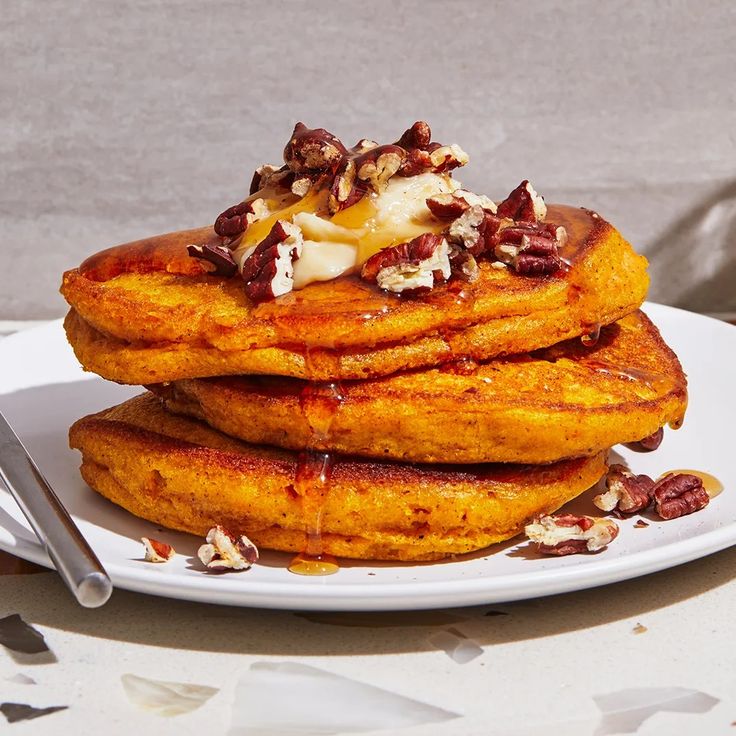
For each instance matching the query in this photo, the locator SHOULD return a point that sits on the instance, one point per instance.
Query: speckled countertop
(541, 666)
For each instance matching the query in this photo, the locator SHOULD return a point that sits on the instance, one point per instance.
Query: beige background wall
(123, 119)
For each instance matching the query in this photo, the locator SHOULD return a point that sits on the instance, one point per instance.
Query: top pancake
(146, 312)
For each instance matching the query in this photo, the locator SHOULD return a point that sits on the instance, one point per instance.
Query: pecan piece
(449, 206)
(446, 158)
(418, 136)
(236, 219)
(313, 151)
(475, 230)
(225, 551)
(157, 551)
(463, 264)
(649, 443)
(523, 204)
(269, 175)
(531, 249)
(345, 190)
(218, 255)
(567, 534)
(363, 145)
(424, 156)
(678, 494)
(626, 493)
(268, 271)
(410, 268)
(377, 165)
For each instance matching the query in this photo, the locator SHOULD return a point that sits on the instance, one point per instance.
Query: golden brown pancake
(145, 312)
(184, 475)
(565, 401)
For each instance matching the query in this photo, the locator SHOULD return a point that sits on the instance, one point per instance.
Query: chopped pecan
(412, 267)
(523, 204)
(530, 249)
(424, 156)
(678, 494)
(269, 175)
(446, 158)
(377, 165)
(218, 255)
(418, 136)
(225, 551)
(649, 443)
(313, 151)
(157, 551)
(268, 271)
(626, 493)
(345, 190)
(463, 264)
(475, 230)
(236, 219)
(363, 145)
(567, 534)
(447, 206)
(301, 186)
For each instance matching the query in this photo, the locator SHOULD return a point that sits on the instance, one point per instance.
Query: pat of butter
(345, 241)
(323, 261)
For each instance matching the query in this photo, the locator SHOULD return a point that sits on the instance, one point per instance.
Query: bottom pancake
(181, 474)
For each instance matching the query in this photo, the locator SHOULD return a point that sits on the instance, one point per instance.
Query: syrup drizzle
(590, 339)
(319, 402)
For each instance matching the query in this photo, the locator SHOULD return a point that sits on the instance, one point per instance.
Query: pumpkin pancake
(565, 401)
(180, 473)
(146, 312)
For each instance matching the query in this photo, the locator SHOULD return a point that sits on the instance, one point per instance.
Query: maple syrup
(319, 402)
(590, 339)
(713, 487)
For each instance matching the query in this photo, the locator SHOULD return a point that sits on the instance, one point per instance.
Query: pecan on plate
(678, 494)
(567, 534)
(156, 551)
(649, 443)
(218, 255)
(268, 271)
(523, 204)
(236, 219)
(410, 268)
(226, 551)
(626, 493)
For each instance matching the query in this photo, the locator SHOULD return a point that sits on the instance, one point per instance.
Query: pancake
(146, 312)
(565, 401)
(179, 473)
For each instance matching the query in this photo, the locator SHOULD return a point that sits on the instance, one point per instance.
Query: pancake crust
(180, 473)
(565, 401)
(146, 312)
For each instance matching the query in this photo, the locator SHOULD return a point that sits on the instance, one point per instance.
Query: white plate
(43, 390)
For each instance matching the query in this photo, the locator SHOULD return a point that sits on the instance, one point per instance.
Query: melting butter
(342, 243)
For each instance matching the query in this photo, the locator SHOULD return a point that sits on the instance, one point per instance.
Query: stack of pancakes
(343, 420)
